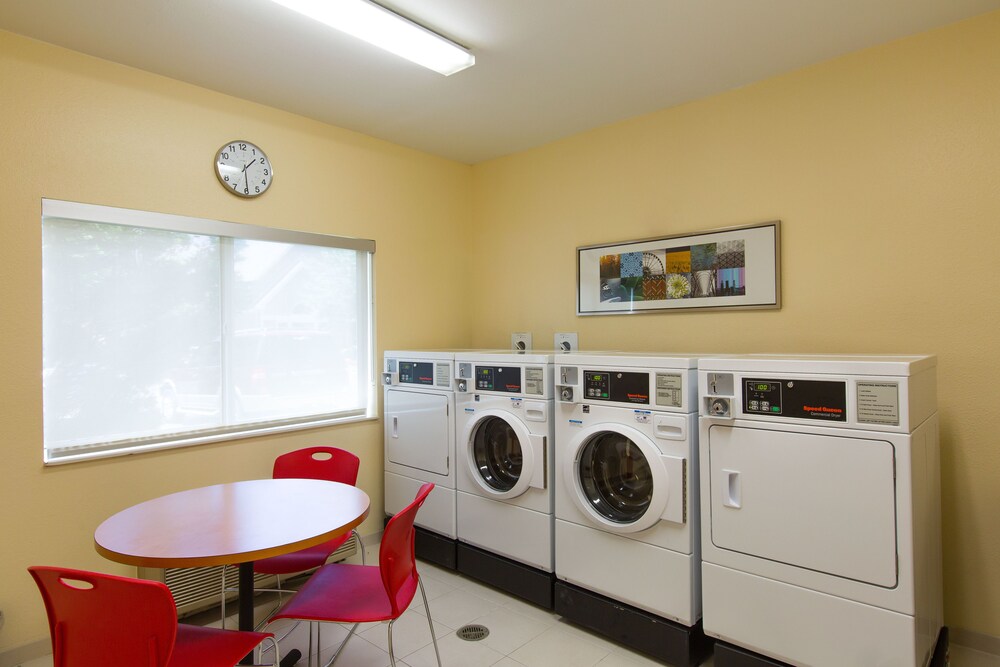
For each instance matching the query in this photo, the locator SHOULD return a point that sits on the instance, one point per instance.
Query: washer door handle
(731, 490)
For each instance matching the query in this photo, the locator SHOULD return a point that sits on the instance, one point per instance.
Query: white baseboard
(21, 654)
(977, 641)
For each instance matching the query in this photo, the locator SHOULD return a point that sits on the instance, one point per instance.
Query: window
(161, 330)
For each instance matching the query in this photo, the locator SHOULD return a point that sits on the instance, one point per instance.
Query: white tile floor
(521, 635)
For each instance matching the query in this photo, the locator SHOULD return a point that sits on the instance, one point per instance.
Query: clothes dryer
(504, 471)
(419, 425)
(626, 501)
(820, 499)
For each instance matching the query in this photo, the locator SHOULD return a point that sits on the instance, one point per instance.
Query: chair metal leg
(430, 623)
(392, 657)
(224, 596)
(277, 653)
(342, 645)
(361, 544)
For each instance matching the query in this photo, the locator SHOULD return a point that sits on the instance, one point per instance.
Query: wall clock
(243, 169)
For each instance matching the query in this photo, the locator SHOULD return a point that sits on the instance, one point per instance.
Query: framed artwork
(723, 269)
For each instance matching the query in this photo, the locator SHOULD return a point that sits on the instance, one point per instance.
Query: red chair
(340, 593)
(331, 464)
(101, 619)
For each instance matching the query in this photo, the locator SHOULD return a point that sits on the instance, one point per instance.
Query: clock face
(243, 169)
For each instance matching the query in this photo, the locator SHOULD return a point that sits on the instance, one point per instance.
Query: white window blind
(162, 330)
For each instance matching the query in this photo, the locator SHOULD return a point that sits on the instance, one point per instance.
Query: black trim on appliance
(940, 657)
(518, 579)
(433, 548)
(728, 655)
(667, 641)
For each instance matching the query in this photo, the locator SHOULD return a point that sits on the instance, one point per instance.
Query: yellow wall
(82, 129)
(884, 168)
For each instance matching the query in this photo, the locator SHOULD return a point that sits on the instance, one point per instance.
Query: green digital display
(763, 387)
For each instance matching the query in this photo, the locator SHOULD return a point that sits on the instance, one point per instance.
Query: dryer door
(503, 457)
(417, 430)
(819, 502)
(618, 478)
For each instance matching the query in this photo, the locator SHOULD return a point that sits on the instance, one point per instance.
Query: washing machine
(419, 421)
(626, 501)
(504, 471)
(820, 500)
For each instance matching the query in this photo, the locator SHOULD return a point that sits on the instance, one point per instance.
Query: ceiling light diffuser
(387, 30)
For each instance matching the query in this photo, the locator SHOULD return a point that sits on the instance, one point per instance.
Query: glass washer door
(502, 456)
(615, 477)
(497, 454)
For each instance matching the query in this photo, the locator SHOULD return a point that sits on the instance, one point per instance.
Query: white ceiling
(545, 69)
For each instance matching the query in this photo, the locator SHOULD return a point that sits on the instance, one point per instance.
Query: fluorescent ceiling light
(387, 30)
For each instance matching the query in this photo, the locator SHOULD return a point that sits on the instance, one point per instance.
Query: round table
(224, 524)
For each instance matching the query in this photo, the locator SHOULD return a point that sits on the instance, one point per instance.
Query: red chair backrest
(329, 463)
(396, 558)
(99, 619)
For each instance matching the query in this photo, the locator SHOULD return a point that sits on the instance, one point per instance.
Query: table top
(231, 523)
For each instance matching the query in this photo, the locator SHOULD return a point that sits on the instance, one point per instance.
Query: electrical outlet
(565, 342)
(520, 341)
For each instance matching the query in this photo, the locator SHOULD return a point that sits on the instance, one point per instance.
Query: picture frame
(736, 268)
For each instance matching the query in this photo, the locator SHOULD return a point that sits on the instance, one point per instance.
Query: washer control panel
(617, 386)
(498, 378)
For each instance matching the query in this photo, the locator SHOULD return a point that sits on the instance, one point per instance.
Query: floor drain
(473, 632)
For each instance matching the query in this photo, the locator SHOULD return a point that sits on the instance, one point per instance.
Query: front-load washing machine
(504, 472)
(626, 492)
(419, 420)
(820, 499)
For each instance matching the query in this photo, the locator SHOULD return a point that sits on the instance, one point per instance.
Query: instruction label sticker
(878, 403)
(668, 390)
(442, 375)
(534, 381)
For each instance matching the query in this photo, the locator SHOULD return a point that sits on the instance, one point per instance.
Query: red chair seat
(342, 593)
(299, 561)
(197, 646)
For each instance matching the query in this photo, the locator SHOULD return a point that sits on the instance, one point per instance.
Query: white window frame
(57, 209)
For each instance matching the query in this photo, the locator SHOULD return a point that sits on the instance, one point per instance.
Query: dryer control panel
(805, 399)
(420, 373)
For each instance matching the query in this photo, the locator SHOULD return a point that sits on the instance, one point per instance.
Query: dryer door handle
(731, 496)
(395, 426)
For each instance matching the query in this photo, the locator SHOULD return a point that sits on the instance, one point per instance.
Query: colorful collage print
(697, 271)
